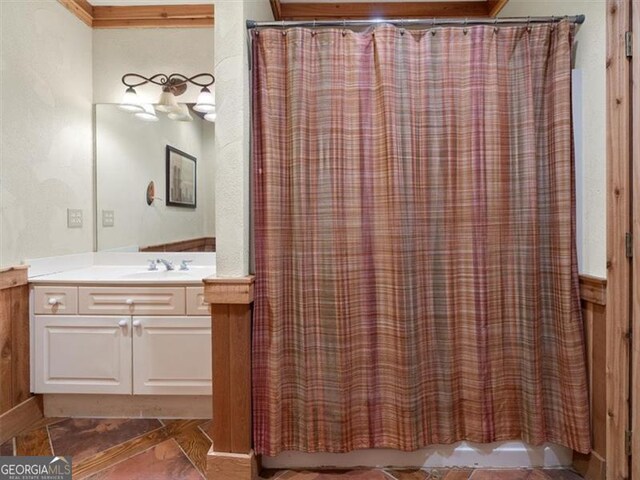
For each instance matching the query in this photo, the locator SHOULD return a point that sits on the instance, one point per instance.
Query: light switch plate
(74, 218)
(108, 218)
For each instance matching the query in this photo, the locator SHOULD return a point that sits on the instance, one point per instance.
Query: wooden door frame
(619, 214)
(635, 195)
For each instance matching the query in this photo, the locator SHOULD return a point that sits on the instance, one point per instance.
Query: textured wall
(129, 154)
(233, 133)
(46, 155)
(148, 51)
(591, 180)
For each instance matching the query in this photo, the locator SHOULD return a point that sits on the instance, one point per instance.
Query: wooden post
(231, 456)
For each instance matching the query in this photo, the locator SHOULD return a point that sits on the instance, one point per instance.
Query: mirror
(154, 183)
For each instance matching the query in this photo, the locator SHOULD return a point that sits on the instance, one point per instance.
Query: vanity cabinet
(83, 354)
(172, 355)
(123, 340)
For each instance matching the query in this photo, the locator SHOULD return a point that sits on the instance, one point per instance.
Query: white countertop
(126, 275)
(122, 269)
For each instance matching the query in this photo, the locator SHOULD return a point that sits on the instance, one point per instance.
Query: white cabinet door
(82, 354)
(172, 355)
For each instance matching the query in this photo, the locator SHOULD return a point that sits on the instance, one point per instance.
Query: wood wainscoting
(204, 244)
(17, 409)
(593, 293)
(231, 456)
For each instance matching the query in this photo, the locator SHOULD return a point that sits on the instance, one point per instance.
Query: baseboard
(231, 466)
(463, 454)
(591, 467)
(129, 406)
(20, 417)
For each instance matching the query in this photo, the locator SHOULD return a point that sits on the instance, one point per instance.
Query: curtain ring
(402, 22)
(313, 32)
(344, 27)
(528, 24)
(284, 32)
(465, 30)
(495, 26)
(433, 27)
(553, 23)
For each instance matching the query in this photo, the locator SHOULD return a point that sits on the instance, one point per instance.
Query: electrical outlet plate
(108, 218)
(74, 218)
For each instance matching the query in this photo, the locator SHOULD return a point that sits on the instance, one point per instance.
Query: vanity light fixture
(130, 101)
(211, 116)
(173, 86)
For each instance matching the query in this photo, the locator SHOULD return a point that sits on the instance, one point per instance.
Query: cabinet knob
(137, 323)
(129, 301)
(53, 301)
(122, 323)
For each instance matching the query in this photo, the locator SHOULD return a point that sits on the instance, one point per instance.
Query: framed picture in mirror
(181, 178)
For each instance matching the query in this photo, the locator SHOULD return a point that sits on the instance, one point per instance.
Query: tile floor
(152, 449)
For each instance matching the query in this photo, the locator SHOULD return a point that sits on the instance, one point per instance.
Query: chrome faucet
(168, 265)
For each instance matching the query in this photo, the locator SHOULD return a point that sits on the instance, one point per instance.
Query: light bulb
(206, 101)
(168, 102)
(211, 116)
(130, 101)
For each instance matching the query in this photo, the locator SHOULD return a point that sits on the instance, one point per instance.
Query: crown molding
(328, 11)
(142, 16)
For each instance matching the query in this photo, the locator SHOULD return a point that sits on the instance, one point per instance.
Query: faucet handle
(152, 265)
(185, 264)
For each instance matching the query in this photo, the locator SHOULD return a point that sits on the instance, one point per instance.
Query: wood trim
(20, 361)
(13, 277)
(234, 291)
(591, 467)
(202, 244)
(81, 9)
(593, 289)
(618, 224)
(14, 338)
(494, 7)
(275, 9)
(153, 16)
(595, 328)
(231, 466)
(324, 11)
(231, 347)
(20, 417)
(635, 299)
(142, 16)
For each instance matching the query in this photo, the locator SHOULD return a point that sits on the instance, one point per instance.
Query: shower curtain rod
(416, 22)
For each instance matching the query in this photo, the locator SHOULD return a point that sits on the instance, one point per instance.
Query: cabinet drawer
(131, 301)
(54, 300)
(195, 302)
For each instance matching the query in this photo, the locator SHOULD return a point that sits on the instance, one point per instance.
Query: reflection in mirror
(131, 153)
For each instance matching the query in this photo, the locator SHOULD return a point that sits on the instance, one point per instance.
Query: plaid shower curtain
(416, 278)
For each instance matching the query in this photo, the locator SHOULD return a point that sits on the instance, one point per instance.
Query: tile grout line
(392, 477)
(50, 441)
(203, 475)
